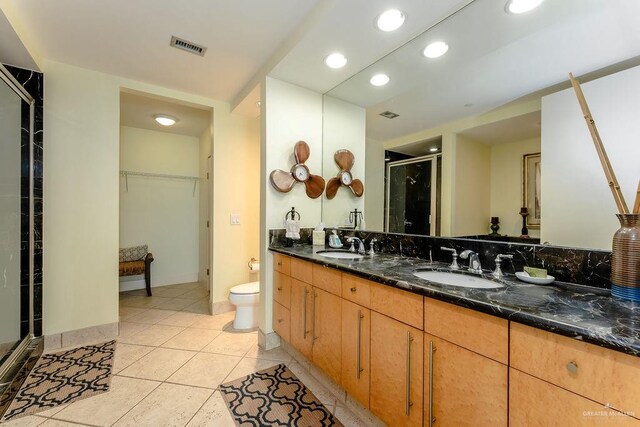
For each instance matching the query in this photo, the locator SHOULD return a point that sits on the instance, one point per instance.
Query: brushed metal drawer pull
(572, 367)
(409, 403)
(358, 340)
(304, 314)
(280, 288)
(354, 289)
(432, 419)
(313, 317)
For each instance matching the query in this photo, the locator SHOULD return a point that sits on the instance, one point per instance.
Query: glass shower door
(14, 217)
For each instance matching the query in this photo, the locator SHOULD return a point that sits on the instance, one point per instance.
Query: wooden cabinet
(396, 383)
(327, 333)
(605, 376)
(536, 403)
(398, 304)
(463, 388)
(281, 263)
(281, 321)
(356, 335)
(301, 312)
(302, 270)
(356, 290)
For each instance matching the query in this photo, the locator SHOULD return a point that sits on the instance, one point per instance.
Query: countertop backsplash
(571, 265)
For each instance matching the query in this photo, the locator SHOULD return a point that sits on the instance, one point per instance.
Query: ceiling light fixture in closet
(165, 119)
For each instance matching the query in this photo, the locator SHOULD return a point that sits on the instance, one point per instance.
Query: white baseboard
(132, 283)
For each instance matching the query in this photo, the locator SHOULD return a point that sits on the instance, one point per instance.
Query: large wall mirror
(457, 141)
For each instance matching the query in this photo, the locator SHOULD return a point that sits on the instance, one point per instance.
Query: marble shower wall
(33, 82)
(571, 265)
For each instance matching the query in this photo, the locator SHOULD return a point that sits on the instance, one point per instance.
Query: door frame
(433, 158)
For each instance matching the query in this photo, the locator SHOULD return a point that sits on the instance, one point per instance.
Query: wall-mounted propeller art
(345, 160)
(283, 181)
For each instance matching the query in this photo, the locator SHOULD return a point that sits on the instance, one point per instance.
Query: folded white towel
(292, 228)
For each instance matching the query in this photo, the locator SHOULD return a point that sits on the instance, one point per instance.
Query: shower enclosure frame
(15, 361)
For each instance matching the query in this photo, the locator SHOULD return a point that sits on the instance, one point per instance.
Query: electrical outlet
(235, 219)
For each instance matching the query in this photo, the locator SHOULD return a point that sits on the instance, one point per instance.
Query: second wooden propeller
(345, 160)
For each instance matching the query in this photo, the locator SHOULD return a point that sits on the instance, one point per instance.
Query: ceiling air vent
(188, 46)
(389, 115)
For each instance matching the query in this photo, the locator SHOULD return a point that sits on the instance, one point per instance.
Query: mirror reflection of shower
(412, 193)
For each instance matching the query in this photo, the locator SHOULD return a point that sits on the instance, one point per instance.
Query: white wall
(289, 114)
(81, 192)
(472, 187)
(81, 140)
(577, 205)
(506, 184)
(162, 213)
(374, 173)
(343, 127)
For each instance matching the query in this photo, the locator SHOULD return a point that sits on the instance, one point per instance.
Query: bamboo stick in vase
(636, 205)
(602, 154)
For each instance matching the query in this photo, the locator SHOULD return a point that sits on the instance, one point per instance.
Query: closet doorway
(165, 203)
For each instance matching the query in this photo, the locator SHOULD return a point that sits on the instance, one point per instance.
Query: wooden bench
(136, 260)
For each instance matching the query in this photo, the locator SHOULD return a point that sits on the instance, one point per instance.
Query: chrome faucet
(474, 261)
(353, 240)
(497, 273)
(372, 250)
(454, 263)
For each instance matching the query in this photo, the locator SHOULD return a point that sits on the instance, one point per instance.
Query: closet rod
(126, 174)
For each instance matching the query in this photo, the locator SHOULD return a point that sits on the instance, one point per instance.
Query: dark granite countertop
(584, 313)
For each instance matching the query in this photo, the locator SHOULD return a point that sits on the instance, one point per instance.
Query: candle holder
(495, 226)
(524, 212)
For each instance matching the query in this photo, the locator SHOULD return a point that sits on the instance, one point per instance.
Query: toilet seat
(246, 289)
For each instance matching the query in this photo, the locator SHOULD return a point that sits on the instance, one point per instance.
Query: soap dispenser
(334, 240)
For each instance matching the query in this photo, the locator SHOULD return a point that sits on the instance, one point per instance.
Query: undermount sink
(457, 279)
(340, 254)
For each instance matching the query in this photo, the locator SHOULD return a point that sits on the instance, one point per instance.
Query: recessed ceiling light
(165, 120)
(335, 60)
(433, 149)
(521, 6)
(435, 49)
(390, 20)
(379, 80)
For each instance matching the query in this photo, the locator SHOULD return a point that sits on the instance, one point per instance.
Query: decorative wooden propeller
(283, 181)
(345, 160)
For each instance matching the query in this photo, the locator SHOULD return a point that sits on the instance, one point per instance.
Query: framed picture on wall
(531, 188)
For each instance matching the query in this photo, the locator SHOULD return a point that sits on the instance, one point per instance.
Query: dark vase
(625, 259)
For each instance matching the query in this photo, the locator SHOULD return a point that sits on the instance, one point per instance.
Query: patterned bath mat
(274, 397)
(64, 377)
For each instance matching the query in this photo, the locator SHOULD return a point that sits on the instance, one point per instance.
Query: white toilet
(246, 298)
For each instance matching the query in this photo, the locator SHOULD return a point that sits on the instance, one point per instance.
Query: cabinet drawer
(356, 290)
(282, 289)
(533, 403)
(395, 303)
(327, 279)
(302, 270)
(282, 321)
(486, 335)
(606, 376)
(282, 264)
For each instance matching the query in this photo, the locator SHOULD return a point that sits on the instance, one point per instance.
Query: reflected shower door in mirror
(412, 196)
(10, 118)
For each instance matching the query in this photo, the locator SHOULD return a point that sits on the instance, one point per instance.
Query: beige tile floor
(170, 359)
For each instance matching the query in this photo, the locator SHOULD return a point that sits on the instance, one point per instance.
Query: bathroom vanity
(418, 353)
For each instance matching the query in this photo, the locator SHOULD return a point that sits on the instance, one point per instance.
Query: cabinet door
(465, 388)
(301, 313)
(327, 333)
(396, 393)
(536, 403)
(356, 333)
